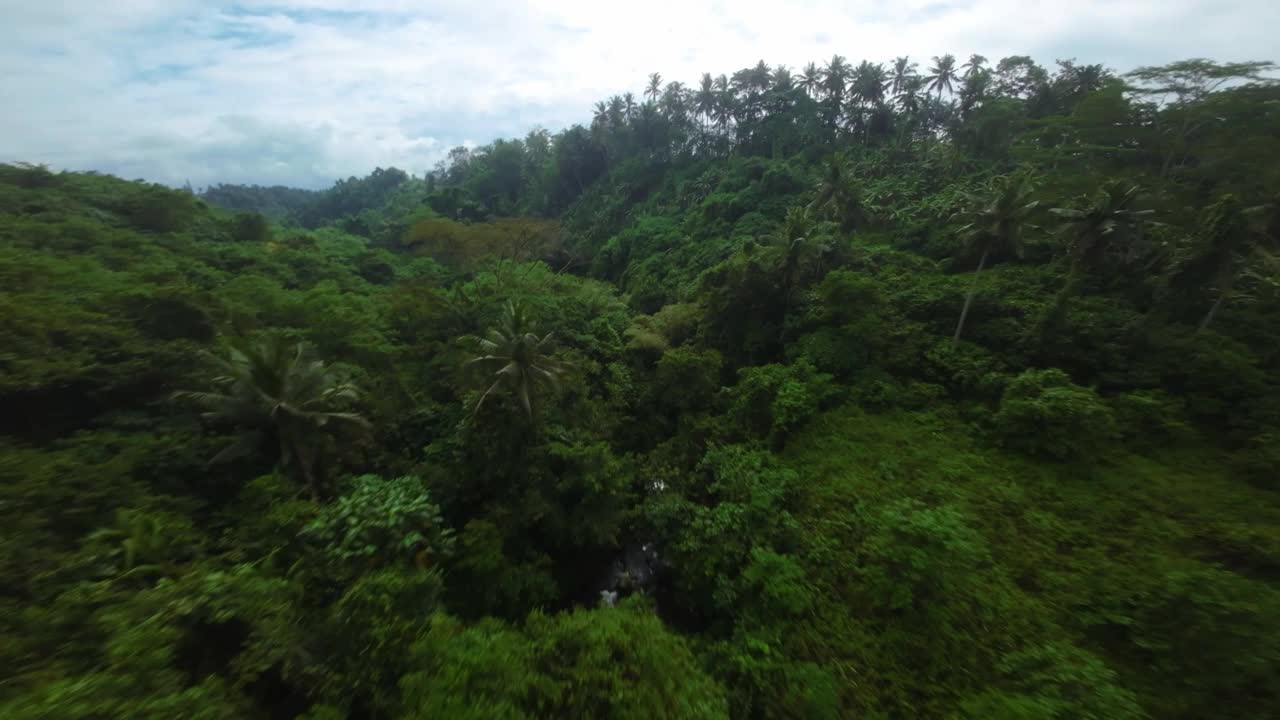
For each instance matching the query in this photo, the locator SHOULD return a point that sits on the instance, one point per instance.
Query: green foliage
(273, 391)
(1043, 412)
(772, 401)
(711, 273)
(915, 554)
(616, 663)
(382, 522)
(374, 627)
(687, 380)
(250, 228)
(1054, 681)
(716, 524)
(1260, 459)
(517, 357)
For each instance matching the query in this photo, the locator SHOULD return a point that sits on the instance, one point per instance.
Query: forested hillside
(941, 390)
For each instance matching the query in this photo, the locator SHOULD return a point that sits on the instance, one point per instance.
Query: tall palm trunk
(1058, 311)
(292, 449)
(1213, 311)
(313, 483)
(968, 300)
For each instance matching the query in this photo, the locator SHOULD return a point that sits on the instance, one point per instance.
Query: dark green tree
(516, 357)
(942, 76)
(1100, 230)
(996, 225)
(836, 196)
(654, 89)
(273, 390)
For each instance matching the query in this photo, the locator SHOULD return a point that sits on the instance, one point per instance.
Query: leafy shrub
(603, 663)
(766, 683)
(914, 553)
(1153, 417)
(381, 522)
(250, 228)
(723, 526)
(1043, 413)
(1211, 630)
(687, 379)
(376, 622)
(1056, 681)
(1259, 461)
(771, 401)
(159, 209)
(964, 368)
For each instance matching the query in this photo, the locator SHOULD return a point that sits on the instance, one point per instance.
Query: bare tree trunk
(308, 473)
(1213, 311)
(968, 300)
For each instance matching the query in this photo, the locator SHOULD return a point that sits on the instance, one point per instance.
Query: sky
(303, 92)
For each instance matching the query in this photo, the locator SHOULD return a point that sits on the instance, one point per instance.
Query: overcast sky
(301, 92)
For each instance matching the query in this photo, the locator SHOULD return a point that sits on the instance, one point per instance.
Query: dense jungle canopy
(939, 388)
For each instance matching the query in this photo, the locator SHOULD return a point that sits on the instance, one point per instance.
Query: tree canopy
(943, 387)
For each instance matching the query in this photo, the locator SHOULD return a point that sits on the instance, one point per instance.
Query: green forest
(942, 388)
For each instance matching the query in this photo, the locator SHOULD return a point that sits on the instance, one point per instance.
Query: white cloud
(305, 91)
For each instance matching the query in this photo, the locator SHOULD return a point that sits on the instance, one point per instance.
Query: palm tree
(799, 253)
(1104, 223)
(974, 90)
(782, 81)
(995, 225)
(673, 99)
(705, 99)
(869, 82)
(1223, 249)
(908, 99)
(726, 102)
(617, 111)
(834, 76)
(904, 75)
(975, 65)
(1103, 226)
(629, 105)
(273, 390)
(654, 89)
(837, 196)
(943, 74)
(909, 105)
(515, 356)
(810, 79)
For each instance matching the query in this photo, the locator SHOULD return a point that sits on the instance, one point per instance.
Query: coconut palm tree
(617, 111)
(943, 74)
(974, 90)
(835, 78)
(273, 390)
(1098, 232)
(629, 105)
(903, 75)
(996, 224)
(674, 99)
(1224, 249)
(726, 103)
(515, 356)
(869, 82)
(654, 89)
(973, 66)
(837, 197)
(705, 98)
(810, 80)
(1101, 225)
